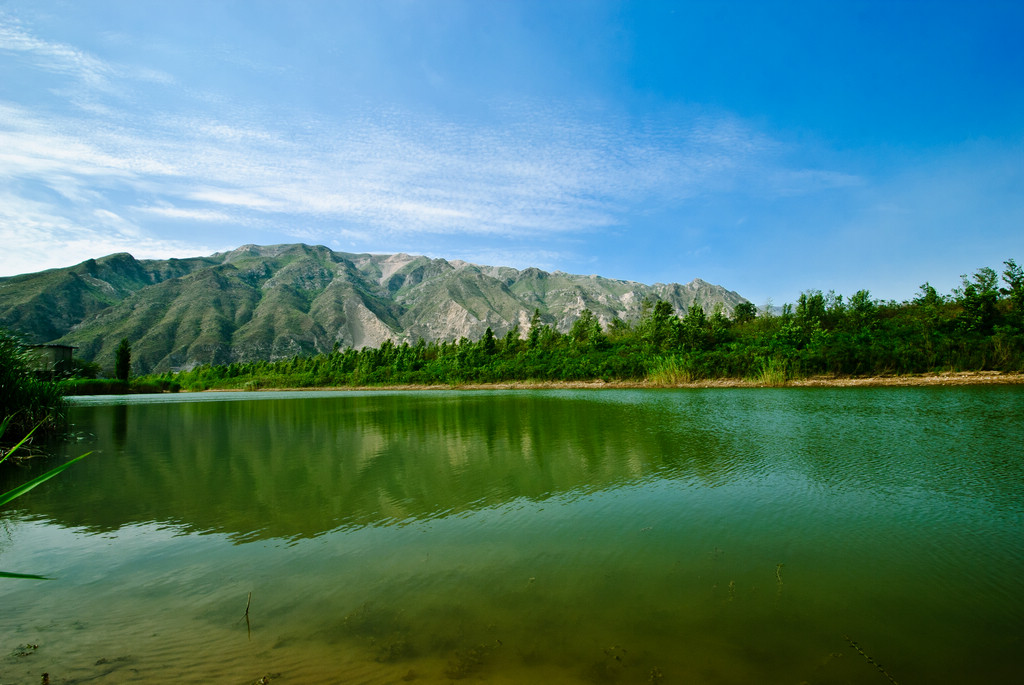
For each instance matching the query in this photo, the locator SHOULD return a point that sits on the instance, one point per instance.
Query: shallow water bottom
(463, 600)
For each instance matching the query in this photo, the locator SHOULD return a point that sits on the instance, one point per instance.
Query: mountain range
(273, 302)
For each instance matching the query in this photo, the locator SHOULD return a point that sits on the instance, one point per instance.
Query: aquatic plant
(25, 487)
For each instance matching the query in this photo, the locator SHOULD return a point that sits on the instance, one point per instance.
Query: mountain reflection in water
(281, 467)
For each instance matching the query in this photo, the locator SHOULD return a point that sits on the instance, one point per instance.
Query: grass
(672, 370)
(774, 373)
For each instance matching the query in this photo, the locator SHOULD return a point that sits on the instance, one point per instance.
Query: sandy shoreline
(946, 378)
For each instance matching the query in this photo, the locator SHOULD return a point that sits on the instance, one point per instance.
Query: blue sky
(770, 147)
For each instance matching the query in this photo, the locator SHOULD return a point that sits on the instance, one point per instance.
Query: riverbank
(945, 378)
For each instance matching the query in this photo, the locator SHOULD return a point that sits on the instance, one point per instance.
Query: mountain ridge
(275, 301)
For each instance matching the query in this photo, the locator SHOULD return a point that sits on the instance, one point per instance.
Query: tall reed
(773, 373)
(671, 370)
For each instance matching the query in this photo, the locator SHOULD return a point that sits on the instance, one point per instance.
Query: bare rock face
(273, 302)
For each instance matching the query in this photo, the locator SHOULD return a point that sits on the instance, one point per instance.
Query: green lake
(846, 535)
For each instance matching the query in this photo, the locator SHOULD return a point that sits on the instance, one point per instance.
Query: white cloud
(36, 238)
(519, 258)
(211, 216)
(542, 171)
(91, 72)
(237, 198)
(118, 224)
(55, 57)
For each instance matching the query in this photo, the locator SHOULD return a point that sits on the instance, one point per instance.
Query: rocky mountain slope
(273, 302)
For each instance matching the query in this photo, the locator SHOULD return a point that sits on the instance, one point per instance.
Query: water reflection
(119, 425)
(299, 467)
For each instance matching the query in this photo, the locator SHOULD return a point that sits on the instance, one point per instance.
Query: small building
(53, 359)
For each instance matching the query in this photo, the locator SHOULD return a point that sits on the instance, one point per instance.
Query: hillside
(273, 302)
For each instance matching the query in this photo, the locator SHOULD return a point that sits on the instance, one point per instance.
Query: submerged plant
(870, 660)
(25, 487)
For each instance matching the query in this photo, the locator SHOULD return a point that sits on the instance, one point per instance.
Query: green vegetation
(979, 326)
(123, 360)
(115, 386)
(25, 487)
(27, 398)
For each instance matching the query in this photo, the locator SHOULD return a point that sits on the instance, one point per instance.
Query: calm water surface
(698, 536)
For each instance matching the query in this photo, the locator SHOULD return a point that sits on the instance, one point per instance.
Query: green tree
(512, 343)
(660, 329)
(619, 330)
(533, 337)
(1013, 276)
(694, 333)
(489, 345)
(123, 360)
(862, 311)
(718, 326)
(744, 312)
(586, 331)
(978, 298)
(810, 310)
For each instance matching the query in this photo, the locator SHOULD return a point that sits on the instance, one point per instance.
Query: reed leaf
(3, 429)
(27, 576)
(25, 487)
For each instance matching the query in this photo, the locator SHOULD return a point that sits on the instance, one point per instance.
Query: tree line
(978, 326)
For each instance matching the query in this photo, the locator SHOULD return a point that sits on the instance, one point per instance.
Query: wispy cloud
(210, 216)
(539, 170)
(416, 177)
(55, 57)
(32, 233)
(519, 258)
